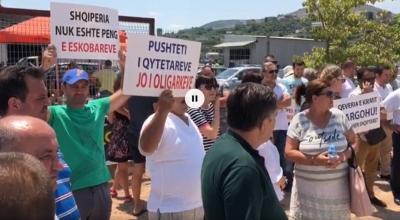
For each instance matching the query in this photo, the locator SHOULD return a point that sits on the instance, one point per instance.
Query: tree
(351, 34)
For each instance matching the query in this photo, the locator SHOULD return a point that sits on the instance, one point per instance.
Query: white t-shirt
(175, 167)
(271, 160)
(392, 104)
(347, 88)
(383, 91)
(281, 122)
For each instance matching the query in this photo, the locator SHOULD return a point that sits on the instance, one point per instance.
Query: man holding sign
(368, 153)
(79, 130)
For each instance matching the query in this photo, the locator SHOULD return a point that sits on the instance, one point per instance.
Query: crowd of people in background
(235, 157)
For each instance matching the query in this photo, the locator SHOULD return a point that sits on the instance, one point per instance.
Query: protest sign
(362, 111)
(158, 63)
(84, 31)
(290, 110)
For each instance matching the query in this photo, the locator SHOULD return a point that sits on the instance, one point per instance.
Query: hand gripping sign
(154, 64)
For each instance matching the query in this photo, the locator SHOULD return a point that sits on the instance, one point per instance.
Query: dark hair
(117, 83)
(269, 56)
(361, 71)
(348, 63)
(314, 87)
(380, 69)
(205, 80)
(13, 84)
(248, 105)
(108, 63)
(26, 189)
(252, 76)
(298, 63)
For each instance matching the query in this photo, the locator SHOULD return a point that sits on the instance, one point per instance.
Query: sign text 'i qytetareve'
(153, 79)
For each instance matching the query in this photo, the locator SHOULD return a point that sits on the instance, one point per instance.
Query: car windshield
(219, 71)
(226, 74)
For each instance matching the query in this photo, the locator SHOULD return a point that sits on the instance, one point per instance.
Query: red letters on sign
(88, 47)
(162, 81)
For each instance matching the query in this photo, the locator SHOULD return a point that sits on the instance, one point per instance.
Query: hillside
(299, 14)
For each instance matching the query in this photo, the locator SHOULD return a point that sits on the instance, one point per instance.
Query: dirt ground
(122, 211)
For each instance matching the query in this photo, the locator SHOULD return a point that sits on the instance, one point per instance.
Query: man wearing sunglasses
(270, 74)
(271, 58)
(368, 155)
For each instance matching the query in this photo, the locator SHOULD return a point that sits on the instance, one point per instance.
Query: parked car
(232, 77)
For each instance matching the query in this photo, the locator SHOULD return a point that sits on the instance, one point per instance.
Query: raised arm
(118, 99)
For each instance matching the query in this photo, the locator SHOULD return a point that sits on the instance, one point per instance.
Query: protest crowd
(319, 136)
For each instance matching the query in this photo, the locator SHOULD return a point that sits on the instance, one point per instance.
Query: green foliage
(351, 34)
(265, 27)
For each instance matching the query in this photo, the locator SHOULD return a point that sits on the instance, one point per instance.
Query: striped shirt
(202, 117)
(66, 208)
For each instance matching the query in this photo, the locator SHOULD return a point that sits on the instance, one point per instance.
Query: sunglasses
(371, 79)
(328, 94)
(274, 62)
(273, 71)
(211, 86)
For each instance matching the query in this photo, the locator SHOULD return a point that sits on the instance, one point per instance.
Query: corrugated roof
(234, 44)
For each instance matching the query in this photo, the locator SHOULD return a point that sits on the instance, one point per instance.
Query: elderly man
(31, 136)
(23, 92)
(25, 188)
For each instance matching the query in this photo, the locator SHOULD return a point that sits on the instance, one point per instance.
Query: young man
(23, 92)
(234, 181)
(174, 150)
(383, 88)
(349, 69)
(367, 155)
(26, 190)
(291, 82)
(79, 129)
(32, 136)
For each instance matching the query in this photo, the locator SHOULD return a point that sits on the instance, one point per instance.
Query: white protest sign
(362, 111)
(84, 31)
(290, 111)
(158, 63)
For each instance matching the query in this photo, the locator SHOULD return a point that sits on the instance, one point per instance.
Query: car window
(219, 71)
(226, 74)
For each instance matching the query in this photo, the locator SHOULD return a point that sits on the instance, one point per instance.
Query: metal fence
(24, 33)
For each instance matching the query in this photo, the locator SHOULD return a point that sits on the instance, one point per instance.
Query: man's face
(36, 101)
(385, 77)
(368, 77)
(43, 145)
(298, 70)
(179, 106)
(77, 92)
(271, 73)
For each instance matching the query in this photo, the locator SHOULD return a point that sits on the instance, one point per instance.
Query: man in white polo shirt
(382, 86)
(174, 152)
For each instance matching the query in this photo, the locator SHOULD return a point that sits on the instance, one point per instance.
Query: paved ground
(392, 212)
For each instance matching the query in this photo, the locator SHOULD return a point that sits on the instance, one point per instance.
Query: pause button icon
(195, 98)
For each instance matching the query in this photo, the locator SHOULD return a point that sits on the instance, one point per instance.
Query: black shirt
(235, 183)
(140, 108)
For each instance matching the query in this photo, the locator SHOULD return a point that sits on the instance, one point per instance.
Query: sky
(179, 14)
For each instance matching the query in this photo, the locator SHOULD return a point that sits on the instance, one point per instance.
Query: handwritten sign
(159, 63)
(84, 31)
(290, 111)
(362, 111)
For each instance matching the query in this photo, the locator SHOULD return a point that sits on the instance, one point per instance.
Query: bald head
(13, 129)
(32, 136)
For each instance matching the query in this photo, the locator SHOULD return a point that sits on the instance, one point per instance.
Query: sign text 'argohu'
(160, 63)
(362, 111)
(82, 31)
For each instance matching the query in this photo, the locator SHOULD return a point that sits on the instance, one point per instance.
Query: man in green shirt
(79, 131)
(235, 182)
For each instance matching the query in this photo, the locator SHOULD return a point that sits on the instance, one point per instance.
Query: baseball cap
(74, 75)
